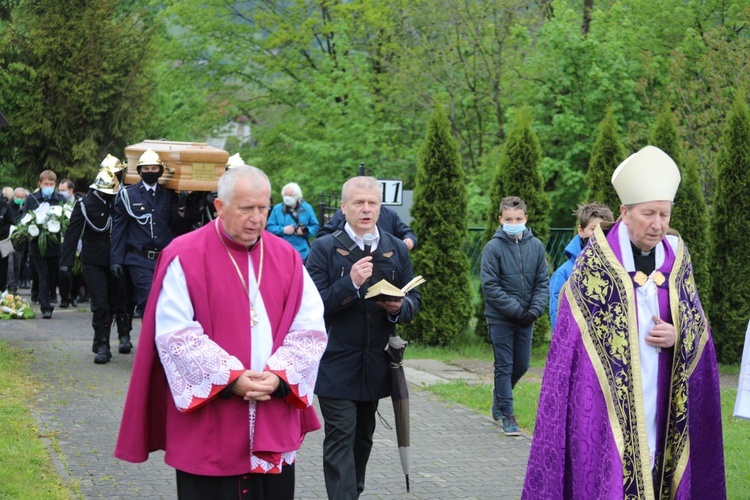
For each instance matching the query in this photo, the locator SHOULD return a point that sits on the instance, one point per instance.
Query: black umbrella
(400, 398)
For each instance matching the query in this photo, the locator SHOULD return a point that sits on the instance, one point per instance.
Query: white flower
(26, 219)
(57, 210)
(42, 208)
(53, 226)
(68, 211)
(41, 217)
(33, 230)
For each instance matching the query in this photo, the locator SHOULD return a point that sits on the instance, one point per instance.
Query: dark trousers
(141, 277)
(107, 294)
(349, 426)
(245, 486)
(46, 274)
(512, 345)
(4, 273)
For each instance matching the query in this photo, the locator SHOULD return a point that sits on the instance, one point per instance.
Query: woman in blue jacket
(294, 219)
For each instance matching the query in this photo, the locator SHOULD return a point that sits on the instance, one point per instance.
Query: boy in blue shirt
(589, 216)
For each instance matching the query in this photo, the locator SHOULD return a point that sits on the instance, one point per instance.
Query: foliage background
(327, 84)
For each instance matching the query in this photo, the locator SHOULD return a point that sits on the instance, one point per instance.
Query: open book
(383, 290)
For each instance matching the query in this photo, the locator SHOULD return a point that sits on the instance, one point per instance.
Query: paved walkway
(455, 453)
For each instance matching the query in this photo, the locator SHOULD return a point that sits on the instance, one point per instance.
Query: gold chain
(253, 314)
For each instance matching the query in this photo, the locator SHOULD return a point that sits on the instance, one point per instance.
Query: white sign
(392, 190)
(742, 404)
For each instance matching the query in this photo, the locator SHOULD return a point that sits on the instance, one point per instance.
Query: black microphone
(368, 239)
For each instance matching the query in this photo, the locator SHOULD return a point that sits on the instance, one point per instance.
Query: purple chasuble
(590, 438)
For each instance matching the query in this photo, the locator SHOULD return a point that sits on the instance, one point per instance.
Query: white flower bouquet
(13, 307)
(47, 225)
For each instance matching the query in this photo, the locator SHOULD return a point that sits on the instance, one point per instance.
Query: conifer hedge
(730, 304)
(439, 218)
(607, 153)
(689, 213)
(519, 174)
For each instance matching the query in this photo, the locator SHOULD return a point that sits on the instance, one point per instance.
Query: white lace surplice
(194, 363)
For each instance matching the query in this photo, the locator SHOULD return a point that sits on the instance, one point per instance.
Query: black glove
(116, 270)
(65, 272)
(527, 318)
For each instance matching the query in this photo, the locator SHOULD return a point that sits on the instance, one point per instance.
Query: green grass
(27, 470)
(478, 397)
(736, 447)
(468, 347)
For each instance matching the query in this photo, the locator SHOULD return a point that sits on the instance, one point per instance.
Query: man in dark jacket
(46, 265)
(355, 370)
(91, 224)
(146, 219)
(515, 283)
(6, 219)
(388, 221)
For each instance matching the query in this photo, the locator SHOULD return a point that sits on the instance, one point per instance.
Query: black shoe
(53, 300)
(125, 345)
(103, 355)
(25, 284)
(34, 298)
(74, 302)
(64, 304)
(47, 314)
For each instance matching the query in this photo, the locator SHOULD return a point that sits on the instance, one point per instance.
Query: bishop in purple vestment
(630, 404)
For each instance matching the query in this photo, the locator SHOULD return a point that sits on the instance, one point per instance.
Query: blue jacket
(561, 275)
(515, 277)
(281, 217)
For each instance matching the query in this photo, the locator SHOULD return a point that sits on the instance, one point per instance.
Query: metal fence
(555, 246)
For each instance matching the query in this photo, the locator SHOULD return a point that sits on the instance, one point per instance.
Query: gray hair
(296, 191)
(360, 182)
(228, 181)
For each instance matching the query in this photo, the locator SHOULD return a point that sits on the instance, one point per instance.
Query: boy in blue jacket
(589, 216)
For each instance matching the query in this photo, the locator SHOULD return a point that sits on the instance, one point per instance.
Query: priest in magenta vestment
(630, 403)
(228, 354)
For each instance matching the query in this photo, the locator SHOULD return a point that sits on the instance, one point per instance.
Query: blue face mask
(47, 191)
(513, 229)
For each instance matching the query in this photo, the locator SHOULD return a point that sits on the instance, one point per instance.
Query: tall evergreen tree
(690, 213)
(439, 218)
(731, 234)
(519, 175)
(74, 85)
(606, 155)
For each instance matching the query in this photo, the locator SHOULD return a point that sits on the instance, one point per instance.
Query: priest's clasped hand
(662, 335)
(256, 386)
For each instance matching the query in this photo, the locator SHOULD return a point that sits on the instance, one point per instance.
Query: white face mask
(290, 201)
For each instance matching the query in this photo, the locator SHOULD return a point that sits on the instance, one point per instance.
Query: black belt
(149, 254)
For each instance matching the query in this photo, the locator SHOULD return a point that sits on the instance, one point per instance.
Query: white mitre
(648, 175)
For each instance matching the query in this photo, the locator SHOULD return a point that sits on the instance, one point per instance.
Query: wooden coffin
(188, 166)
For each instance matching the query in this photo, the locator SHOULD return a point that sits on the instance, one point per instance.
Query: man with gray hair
(228, 356)
(294, 219)
(355, 371)
(630, 404)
